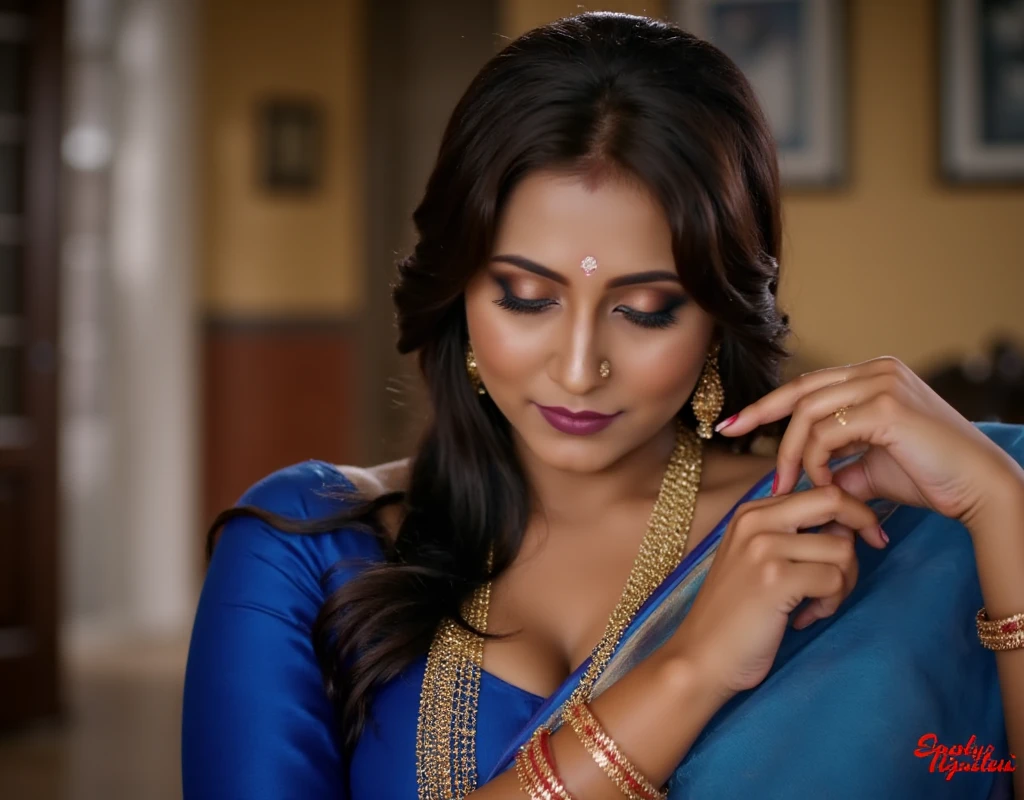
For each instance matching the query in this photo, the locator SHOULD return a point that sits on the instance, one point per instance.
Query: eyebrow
(623, 280)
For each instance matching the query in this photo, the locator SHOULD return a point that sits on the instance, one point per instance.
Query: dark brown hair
(590, 94)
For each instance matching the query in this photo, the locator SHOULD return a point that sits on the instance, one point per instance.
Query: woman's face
(540, 325)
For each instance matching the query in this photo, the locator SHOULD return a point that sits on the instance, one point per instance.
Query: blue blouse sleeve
(256, 720)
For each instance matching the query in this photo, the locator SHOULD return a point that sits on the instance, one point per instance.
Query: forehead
(558, 219)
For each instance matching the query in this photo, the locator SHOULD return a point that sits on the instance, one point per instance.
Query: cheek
(665, 368)
(504, 345)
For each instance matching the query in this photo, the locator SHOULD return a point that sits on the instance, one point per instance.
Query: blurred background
(201, 202)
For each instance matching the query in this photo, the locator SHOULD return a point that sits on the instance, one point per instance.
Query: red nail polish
(725, 424)
(775, 484)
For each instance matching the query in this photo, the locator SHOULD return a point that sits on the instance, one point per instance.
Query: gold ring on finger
(840, 414)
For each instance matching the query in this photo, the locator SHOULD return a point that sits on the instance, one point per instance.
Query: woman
(514, 610)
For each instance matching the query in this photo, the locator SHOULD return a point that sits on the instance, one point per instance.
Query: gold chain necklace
(446, 725)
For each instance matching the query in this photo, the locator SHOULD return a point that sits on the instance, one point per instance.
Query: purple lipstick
(576, 423)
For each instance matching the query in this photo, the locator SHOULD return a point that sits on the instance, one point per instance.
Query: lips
(564, 412)
(578, 423)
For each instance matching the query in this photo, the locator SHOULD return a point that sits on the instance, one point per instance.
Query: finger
(780, 402)
(821, 607)
(819, 407)
(850, 450)
(814, 579)
(832, 545)
(870, 422)
(816, 506)
(815, 610)
(853, 479)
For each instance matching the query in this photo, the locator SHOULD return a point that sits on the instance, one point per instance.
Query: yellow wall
(266, 255)
(900, 263)
(895, 262)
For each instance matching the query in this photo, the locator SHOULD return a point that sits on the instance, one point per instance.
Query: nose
(574, 363)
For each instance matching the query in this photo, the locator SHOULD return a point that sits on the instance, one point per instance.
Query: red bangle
(535, 766)
(602, 748)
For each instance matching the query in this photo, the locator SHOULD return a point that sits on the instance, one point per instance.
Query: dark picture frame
(981, 72)
(290, 135)
(794, 53)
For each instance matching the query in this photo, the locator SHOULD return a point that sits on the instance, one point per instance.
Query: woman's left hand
(920, 451)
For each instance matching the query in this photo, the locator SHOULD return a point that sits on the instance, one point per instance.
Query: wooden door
(31, 41)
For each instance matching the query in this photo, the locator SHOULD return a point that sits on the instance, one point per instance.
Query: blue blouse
(256, 720)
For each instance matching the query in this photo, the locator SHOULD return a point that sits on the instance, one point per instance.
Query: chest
(554, 605)
(555, 601)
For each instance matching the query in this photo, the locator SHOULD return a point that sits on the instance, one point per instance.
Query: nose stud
(588, 264)
(605, 369)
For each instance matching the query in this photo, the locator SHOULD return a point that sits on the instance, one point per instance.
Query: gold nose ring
(605, 369)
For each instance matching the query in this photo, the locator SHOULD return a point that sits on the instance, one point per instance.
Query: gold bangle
(1000, 634)
(529, 781)
(602, 748)
(535, 767)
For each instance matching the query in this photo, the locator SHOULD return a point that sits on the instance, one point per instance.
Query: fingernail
(885, 536)
(726, 423)
(775, 484)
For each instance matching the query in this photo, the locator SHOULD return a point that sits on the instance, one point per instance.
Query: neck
(574, 498)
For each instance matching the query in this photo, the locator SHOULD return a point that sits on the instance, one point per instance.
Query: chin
(574, 453)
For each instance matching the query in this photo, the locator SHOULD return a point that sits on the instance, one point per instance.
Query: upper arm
(257, 722)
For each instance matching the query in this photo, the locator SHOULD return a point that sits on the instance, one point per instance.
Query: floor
(120, 736)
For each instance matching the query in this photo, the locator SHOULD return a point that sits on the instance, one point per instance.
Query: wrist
(1002, 510)
(687, 680)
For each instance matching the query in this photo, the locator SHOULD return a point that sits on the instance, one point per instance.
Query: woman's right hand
(762, 570)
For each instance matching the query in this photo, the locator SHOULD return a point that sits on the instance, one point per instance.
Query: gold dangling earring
(709, 397)
(471, 370)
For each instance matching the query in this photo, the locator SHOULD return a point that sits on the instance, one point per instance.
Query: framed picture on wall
(290, 149)
(981, 64)
(793, 52)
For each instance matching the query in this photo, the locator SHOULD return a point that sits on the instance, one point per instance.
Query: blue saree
(852, 707)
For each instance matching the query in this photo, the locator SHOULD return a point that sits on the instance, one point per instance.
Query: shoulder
(315, 489)
(305, 492)
(371, 482)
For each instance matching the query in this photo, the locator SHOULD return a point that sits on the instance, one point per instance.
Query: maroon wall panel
(273, 395)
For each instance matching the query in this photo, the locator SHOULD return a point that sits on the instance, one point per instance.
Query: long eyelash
(658, 319)
(519, 305)
(655, 319)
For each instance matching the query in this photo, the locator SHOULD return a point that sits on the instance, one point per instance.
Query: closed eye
(521, 305)
(662, 318)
